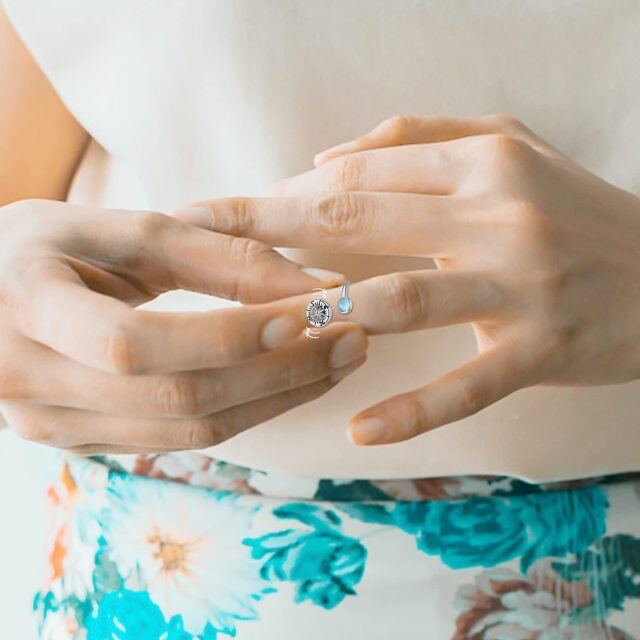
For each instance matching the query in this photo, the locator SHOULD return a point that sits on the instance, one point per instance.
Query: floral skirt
(180, 546)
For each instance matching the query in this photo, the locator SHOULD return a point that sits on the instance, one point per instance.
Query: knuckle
(200, 434)
(147, 224)
(416, 417)
(398, 127)
(471, 396)
(504, 149)
(32, 428)
(178, 396)
(338, 215)
(13, 384)
(408, 300)
(554, 283)
(347, 173)
(291, 375)
(505, 121)
(249, 251)
(533, 225)
(120, 349)
(234, 215)
(248, 282)
(226, 344)
(557, 342)
(566, 336)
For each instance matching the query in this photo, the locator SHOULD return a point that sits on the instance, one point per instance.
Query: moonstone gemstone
(344, 305)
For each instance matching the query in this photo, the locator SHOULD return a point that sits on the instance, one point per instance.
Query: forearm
(41, 143)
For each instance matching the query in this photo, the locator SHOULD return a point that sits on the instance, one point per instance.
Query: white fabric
(209, 98)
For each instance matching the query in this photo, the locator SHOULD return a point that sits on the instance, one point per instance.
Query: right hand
(81, 369)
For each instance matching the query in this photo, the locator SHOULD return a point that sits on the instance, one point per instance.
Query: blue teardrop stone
(344, 305)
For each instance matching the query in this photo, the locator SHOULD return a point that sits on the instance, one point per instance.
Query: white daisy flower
(185, 548)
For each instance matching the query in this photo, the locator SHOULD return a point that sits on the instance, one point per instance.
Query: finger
(59, 381)
(403, 130)
(436, 169)
(423, 299)
(473, 386)
(163, 254)
(111, 449)
(97, 433)
(106, 334)
(348, 221)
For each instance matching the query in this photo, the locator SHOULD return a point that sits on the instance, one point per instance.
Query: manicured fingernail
(348, 348)
(331, 152)
(368, 431)
(197, 216)
(343, 372)
(328, 277)
(279, 331)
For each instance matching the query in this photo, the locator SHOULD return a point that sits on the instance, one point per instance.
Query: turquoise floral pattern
(148, 557)
(126, 615)
(323, 563)
(487, 531)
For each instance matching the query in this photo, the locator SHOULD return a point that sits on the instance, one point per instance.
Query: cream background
(208, 98)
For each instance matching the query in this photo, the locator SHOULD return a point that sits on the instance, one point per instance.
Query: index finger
(105, 333)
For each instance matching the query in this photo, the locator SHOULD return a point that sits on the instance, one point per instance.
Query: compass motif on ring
(319, 312)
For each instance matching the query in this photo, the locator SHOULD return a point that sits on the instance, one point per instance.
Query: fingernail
(368, 431)
(332, 152)
(343, 372)
(197, 216)
(279, 331)
(348, 348)
(328, 277)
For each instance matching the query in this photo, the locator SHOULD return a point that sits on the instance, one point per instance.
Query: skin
(539, 255)
(80, 367)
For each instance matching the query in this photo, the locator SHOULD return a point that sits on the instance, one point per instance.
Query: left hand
(541, 256)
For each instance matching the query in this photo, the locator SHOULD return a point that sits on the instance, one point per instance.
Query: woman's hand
(541, 256)
(82, 370)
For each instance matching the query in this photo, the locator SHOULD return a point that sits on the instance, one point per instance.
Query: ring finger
(429, 298)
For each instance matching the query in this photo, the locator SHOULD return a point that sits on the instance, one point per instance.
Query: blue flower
(126, 615)
(488, 531)
(564, 522)
(469, 533)
(323, 563)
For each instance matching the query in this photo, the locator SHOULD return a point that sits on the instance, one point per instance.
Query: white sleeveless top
(209, 98)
